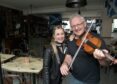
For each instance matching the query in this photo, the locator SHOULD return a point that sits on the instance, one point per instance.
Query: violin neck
(108, 56)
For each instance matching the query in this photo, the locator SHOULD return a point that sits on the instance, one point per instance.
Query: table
(20, 65)
(5, 57)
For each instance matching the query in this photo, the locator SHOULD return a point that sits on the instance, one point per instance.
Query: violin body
(90, 44)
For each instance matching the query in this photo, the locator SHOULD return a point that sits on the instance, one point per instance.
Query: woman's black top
(51, 66)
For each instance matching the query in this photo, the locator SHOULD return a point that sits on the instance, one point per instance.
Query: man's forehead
(77, 19)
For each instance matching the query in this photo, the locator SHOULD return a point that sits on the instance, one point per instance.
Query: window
(66, 26)
(114, 26)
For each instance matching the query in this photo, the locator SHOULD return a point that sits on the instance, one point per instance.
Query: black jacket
(51, 67)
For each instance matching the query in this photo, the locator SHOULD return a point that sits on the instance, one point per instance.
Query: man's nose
(76, 27)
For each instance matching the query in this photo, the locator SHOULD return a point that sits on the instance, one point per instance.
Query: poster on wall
(111, 6)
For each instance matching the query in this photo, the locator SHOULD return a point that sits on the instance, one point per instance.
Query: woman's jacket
(51, 67)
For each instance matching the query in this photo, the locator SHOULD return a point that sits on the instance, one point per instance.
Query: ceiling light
(76, 3)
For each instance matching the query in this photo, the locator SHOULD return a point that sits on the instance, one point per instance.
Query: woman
(54, 56)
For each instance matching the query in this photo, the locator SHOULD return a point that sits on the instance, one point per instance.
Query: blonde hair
(53, 43)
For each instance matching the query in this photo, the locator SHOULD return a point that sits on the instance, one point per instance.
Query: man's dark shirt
(85, 67)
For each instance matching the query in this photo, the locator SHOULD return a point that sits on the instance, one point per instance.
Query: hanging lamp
(76, 3)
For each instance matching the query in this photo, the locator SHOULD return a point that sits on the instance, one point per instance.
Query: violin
(91, 43)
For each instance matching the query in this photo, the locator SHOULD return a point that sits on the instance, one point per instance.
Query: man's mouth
(77, 30)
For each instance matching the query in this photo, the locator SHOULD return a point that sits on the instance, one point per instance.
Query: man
(85, 68)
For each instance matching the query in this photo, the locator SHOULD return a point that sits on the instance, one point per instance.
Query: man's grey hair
(77, 16)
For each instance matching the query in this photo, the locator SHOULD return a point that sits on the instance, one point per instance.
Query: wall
(37, 45)
(114, 35)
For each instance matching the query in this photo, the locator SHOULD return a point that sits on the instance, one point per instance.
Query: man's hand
(115, 61)
(65, 66)
(64, 69)
(98, 54)
(102, 58)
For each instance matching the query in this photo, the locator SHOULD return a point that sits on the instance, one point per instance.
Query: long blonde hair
(53, 43)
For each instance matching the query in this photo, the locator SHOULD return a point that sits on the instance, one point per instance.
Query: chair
(6, 51)
(17, 52)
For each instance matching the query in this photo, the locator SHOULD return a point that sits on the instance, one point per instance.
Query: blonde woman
(54, 56)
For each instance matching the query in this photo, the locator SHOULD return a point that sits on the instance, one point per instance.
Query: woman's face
(59, 35)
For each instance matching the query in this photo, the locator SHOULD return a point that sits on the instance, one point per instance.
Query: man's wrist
(65, 63)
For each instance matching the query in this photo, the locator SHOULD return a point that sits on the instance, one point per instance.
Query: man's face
(78, 26)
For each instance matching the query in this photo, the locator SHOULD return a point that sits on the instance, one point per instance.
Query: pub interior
(25, 31)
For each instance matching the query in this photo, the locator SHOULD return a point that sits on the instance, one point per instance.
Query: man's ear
(85, 24)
